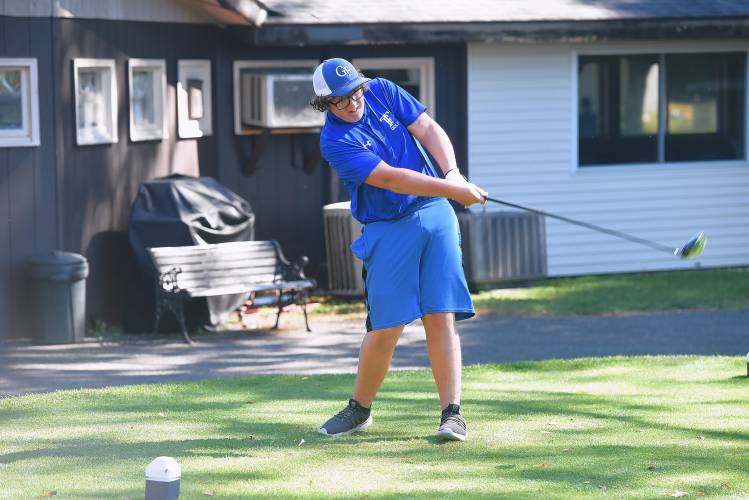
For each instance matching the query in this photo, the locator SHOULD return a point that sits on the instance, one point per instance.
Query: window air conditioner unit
(278, 100)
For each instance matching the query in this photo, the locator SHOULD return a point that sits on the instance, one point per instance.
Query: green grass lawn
(643, 427)
(723, 288)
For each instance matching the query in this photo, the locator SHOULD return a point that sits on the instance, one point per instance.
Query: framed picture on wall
(147, 85)
(95, 101)
(194, 110)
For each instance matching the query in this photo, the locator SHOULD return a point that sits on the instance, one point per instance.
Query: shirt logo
(389, 120)
(367, 144)
(342, 70)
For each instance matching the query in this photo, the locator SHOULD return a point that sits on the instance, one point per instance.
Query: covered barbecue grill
(178, 211)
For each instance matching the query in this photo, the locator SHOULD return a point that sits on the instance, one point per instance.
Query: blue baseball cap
(336, 77)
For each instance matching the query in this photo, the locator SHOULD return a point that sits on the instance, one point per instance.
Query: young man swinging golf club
(410, 245)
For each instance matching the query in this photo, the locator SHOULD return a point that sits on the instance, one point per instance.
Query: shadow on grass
(260, 422)
(738, 381)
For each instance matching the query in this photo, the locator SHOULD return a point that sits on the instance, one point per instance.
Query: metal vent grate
(344, 268)
(503, 246)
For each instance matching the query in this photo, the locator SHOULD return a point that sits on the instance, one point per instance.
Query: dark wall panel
(5, 283)
(77, 198)
(27, 181)
(48, 235)
(100, 182)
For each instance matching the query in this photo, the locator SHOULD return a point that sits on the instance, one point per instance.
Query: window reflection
(144, 109)
(91, 105)
(618, 109)
(705, 103)
(11, 100)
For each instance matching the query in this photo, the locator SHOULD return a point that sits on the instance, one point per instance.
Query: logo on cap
(341, 70)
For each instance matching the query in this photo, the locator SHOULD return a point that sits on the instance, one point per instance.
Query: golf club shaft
(635, 239)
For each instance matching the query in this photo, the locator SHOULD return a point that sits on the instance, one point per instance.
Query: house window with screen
(19, 103)
(147, 80)
(415, 75)
(95, 101)
(661, 108)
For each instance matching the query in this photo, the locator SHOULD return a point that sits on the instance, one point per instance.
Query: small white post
(162, 479)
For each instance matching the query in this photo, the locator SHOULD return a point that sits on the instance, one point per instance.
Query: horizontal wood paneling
(521, 150)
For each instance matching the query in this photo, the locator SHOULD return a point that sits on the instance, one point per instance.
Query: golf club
(690, 250)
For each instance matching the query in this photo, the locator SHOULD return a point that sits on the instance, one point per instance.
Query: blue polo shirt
(355, 149)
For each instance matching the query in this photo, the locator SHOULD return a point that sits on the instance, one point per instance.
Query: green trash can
(59, 297)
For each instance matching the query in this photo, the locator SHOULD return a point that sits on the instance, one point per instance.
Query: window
(194, 98)
(19, 103)
(654, 108)
(95, 101)
(416, 75)
(705, 106)
(147, 83)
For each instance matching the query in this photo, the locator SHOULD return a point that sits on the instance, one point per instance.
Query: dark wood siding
(78, 198)
(28, 198)
(100, 182)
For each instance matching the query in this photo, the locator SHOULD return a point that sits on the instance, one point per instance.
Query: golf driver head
(693, 248)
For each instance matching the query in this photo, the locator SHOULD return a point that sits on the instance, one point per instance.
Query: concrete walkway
(333, 347)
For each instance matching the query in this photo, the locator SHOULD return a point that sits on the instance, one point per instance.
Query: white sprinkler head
(163, 469)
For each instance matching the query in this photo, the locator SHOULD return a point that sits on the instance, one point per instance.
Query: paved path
(333, 348)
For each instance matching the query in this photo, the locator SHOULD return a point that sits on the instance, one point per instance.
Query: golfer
(410, 244)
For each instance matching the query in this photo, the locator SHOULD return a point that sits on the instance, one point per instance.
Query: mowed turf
(720, 288)
(642, 427)
(723, 288)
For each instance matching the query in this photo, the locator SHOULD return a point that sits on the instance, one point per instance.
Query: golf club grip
(634, 239)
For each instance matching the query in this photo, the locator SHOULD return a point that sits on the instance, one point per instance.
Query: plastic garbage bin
(59, 297)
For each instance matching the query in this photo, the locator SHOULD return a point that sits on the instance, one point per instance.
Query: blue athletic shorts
(413, 266)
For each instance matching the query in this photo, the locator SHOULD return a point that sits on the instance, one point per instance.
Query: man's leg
(374, 361)
(443, 345)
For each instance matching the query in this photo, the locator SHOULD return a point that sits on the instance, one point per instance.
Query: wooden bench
(244, 267)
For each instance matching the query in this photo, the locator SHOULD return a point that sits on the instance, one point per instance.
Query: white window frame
(660, 49)
(198, 69)
(158, 66)
(28, 134)
(86, 137)
(238, 66)
(425, 65)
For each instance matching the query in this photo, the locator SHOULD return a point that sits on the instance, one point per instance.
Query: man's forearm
(404, 181)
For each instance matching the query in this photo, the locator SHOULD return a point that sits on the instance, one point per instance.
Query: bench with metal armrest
(243, 267)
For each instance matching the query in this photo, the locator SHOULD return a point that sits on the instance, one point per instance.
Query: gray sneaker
(351, 419)
(452, 425)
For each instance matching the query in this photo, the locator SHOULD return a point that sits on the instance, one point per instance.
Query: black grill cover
(177, 211)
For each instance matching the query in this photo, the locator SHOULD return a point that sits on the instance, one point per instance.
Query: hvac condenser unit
(278, 100)
(344, 268)
(502, 246)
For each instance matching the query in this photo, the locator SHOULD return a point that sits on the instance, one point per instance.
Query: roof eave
(278, 34)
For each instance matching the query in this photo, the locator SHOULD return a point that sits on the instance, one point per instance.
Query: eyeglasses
(343, 102)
